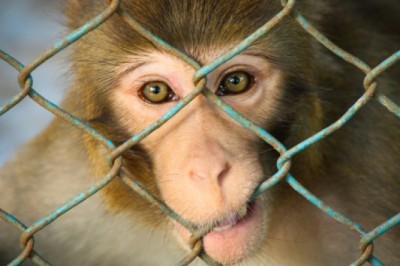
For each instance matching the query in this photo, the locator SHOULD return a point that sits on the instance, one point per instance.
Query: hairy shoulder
(38, 170)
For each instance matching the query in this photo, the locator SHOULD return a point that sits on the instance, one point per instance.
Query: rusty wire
(114, 156)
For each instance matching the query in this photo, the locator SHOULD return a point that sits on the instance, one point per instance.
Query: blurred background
(27, 29)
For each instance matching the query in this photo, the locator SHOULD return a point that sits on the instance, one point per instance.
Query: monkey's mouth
(235, 218)
(235, 236)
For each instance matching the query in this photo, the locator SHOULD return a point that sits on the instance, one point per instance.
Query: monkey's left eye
(235, 83)
(156, 92)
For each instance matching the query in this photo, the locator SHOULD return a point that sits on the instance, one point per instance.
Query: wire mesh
(115, 152)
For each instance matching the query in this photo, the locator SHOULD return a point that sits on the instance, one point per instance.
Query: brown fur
(356, 170)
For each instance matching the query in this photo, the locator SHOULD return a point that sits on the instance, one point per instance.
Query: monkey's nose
(207, 176)
(208, 169)
(207, 164)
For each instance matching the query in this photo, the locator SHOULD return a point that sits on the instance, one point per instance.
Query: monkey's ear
(78, 12)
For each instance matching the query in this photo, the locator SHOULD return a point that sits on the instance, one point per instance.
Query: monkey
(202, 163)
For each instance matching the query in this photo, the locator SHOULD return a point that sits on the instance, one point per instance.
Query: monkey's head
(201, 163)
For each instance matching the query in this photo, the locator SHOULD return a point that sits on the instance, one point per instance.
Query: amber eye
(234, 83)
(156, 92)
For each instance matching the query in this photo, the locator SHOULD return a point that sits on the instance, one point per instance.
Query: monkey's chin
(234, 239)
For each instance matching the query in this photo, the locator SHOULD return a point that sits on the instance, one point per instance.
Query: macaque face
(206, 166)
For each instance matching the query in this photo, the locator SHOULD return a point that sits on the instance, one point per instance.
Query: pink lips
(233, 218)
(227, 223)
(235, 236)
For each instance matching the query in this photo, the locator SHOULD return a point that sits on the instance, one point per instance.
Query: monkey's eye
(156, 92)
(235, 83)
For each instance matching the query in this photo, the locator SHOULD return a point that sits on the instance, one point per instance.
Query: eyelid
(141, 81)
(138, 83)
(250, 70)
(219, 86)
(150, 79)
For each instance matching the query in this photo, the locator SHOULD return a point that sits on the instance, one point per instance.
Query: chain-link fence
(115, 152)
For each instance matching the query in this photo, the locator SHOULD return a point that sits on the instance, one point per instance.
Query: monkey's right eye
(156, 92)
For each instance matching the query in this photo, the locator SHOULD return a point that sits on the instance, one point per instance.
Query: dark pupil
(235, 80)
(155, 89)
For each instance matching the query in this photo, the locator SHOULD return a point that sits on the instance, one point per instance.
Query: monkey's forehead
(191, 26)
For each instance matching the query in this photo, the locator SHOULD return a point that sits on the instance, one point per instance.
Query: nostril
(223, 173)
